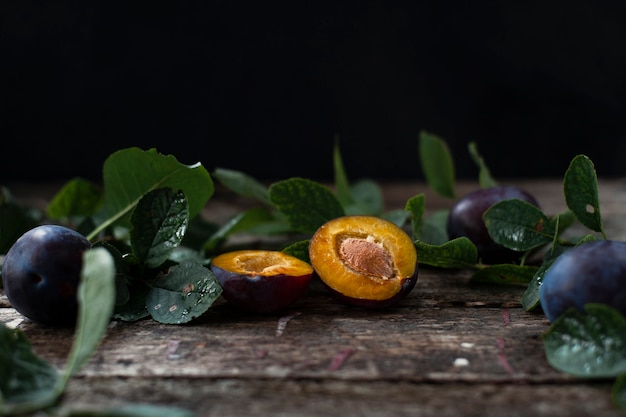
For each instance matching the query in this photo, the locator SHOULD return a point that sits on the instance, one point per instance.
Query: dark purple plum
(466, 219)
(41, 274)
(592, 272)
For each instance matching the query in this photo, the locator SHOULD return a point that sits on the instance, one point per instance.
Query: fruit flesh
(466, 219)
(364, 258)
(593, 272)
(41, 274)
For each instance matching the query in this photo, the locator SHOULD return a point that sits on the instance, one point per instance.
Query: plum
(41, 274)
(592, 272)
(466, 219)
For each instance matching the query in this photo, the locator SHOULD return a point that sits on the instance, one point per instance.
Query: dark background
(265, 88)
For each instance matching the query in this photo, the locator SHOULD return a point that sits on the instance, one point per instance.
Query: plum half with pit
(466, 219)
(41, 274)
(365, 261)
(592, 272)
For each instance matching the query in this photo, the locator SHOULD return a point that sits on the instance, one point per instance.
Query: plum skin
(466, 219)
(592, 272)
(41, 274)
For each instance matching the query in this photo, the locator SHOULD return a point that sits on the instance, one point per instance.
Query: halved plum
(261, 281)
(365, 261)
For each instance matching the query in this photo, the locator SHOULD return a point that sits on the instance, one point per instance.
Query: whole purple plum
(592, 272)
(41, 274)
(466, 219)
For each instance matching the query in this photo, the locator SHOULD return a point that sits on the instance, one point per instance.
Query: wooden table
(451, 348)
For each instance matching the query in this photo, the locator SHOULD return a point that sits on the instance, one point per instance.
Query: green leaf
(96, 299)
(182, 294)
(306, 204)
(618, 392)
(564, 220)
(416, 205)
(530, 298)
(78, 197)
(398, 217)
(590, 344)
(508, 274)
(434, 228)
(242, 184)
(159, 224)
(437, 164)
(135, 307)
(580, 186)
(28, 382)
(136, 410)
(252, 220)
(342, 185)
(457, 253)
(518, 225)
(130, 173)
(299, 249)
(366, 197)
(485, 180)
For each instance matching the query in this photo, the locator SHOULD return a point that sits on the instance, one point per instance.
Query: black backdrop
(266, 88)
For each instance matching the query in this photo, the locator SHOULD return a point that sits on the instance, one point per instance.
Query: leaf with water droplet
(182, 294)
(589, 344)
(159, 224)
(580, 186)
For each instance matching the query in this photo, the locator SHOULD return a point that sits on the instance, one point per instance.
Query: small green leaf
(580, 186)
(135, 307)
(485, 180)
(251, 221)
(398, 217)
(342, 185)
(299, 249)
(366, 197)
(27, 382)
(508, 274)
(159, 224)
(518, 225)
(182, 294)
(78, 197)
(530, 298)
(416, 205)
(437, 164)
(590, 344)
(135, 410)
(434, 229)
(242, 184)
(457, 253)
(618, 392)
(306, 204)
